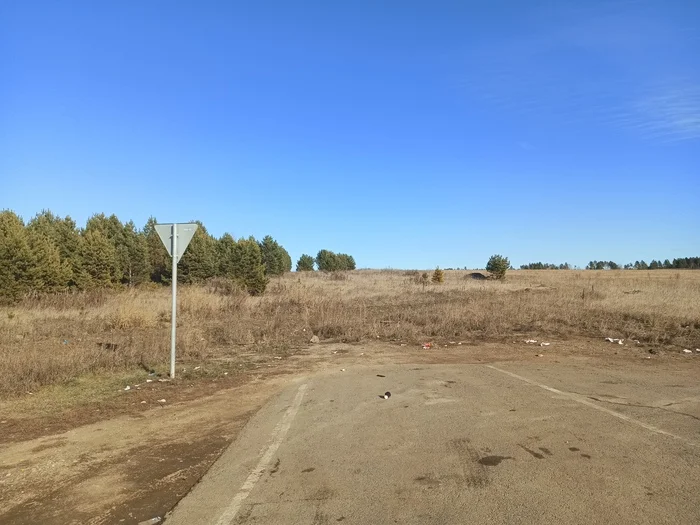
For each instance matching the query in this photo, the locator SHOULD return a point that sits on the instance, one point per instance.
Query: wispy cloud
(630, 67)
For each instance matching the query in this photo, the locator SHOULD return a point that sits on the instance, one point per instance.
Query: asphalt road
(505, 443)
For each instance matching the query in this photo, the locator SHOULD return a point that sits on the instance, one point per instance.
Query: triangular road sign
(184, 231)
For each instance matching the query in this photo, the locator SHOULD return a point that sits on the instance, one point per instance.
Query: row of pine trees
(51, 254)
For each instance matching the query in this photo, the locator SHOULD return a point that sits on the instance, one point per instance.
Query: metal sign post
(169, 234)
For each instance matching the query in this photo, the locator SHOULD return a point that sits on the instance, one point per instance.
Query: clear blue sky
(409, 134)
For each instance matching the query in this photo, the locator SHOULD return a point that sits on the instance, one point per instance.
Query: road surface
(502, 443)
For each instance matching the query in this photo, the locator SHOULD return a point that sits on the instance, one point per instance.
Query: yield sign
(183, 232)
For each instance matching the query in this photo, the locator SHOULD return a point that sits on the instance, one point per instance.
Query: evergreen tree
(17, 263)
(50, 272)
(248, 266)
(272, 256)
(345, 261)
(136, 267)
(226, 249)
(113, 230)
(305, 263)
(326, 261)
(160, 262)
(200, 261)
(65, 236)
(100, 266)
(497, 266)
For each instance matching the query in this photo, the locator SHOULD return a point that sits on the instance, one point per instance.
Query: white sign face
(184, 232)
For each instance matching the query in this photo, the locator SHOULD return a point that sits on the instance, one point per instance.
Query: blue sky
(408, 134)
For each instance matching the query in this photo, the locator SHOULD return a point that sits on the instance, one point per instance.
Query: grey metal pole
(174, 314)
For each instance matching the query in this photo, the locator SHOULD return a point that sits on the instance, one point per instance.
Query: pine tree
(51, 273)
(305, 263)
(226, 248)
(201, 260)
(17, 264)
(136, 268)
(438, 276)
(100, 266)
(113, 230)
(65, 236)
(249, 269)
(345, 261)
(497, 266)
(272, 256)
(326, 261)
(160, 263)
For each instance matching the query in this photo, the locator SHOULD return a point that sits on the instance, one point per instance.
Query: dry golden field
(57, 339)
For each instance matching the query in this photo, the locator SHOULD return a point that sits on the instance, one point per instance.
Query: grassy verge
(71, 339)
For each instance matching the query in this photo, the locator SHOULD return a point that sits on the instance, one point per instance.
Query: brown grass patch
(56, 339)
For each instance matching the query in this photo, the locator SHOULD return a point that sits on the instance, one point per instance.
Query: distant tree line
(51, 253)
(545, 266)
(682, 263)
(326, 261)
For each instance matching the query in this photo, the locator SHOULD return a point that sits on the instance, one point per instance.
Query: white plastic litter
(540, 355)
(161, 400)
(612, 340)
(127, 387)
(545, 344)
(149, 380)
(686, 351)
(530, 341)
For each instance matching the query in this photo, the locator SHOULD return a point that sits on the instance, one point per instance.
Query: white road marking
(278, 435)
(580, 399)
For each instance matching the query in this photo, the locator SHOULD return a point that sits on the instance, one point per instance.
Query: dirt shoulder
(123, 460)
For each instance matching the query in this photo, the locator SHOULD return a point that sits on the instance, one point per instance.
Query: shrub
(438, 276)
(305, 263)
(498, 266)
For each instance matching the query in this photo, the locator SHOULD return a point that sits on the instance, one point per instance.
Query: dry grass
(56, 339)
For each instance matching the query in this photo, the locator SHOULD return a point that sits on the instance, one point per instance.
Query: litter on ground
(612, 340)
(530, 341)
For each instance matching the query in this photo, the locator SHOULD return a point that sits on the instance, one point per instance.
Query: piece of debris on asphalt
(387, 395)
(530, 341)
(152, 521)
(545, 344)
(613, 340)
